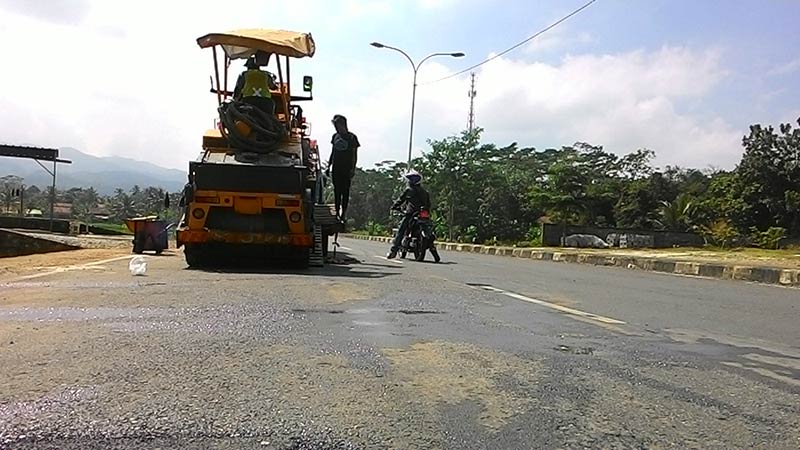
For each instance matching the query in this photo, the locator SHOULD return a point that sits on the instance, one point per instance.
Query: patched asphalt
(378, 354)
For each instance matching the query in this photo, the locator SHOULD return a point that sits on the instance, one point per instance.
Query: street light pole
(415, 67)
(411, 128)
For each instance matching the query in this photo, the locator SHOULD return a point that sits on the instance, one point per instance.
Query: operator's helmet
(413, 177)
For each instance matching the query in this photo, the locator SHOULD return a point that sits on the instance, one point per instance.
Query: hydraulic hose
(266, 134)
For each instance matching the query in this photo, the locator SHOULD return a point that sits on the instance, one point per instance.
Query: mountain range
(105, 174)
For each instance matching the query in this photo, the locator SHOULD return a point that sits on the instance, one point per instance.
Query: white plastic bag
(138, 266)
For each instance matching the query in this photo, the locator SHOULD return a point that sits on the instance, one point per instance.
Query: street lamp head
(377, 45)
(457, 54)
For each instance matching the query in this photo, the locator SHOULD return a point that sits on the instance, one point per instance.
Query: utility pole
(470, 126)
(471, 94)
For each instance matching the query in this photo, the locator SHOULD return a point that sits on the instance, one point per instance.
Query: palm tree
(153, 198)
(677, 215)
(122, 205)
(83, 202)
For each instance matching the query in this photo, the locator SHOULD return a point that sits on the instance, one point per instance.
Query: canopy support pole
(288, 91)
(284, 95)
(216, 74)
(227, 65)
(53, 191)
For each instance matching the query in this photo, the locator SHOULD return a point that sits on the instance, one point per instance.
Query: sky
(684, 78)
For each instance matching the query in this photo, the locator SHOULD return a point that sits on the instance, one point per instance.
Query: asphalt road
(477, 352)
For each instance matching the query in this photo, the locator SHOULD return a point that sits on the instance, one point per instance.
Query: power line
(550, 27)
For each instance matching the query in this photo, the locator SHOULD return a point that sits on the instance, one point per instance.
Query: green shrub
(720, 233)
(109, 229)
(534, 235)
(470, 235)
(375, 229)
(767, 239)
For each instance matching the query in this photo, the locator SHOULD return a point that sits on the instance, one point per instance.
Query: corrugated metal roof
(22, 151)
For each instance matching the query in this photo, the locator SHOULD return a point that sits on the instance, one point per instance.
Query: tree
(484, 192)
(453, 167)
(152, 200)
(563, 195)
(122, 206)
(8, 186)
(637, 165)
(83, 202)
(677, 215)
(770, 168)
(35, 198)
(372, 193)
(638, 207)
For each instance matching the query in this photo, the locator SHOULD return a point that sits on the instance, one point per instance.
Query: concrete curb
(13, 243)
(767, 275)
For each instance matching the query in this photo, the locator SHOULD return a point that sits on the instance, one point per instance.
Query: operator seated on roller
(253, 85)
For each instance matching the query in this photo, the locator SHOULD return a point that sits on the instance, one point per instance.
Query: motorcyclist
(415, 197)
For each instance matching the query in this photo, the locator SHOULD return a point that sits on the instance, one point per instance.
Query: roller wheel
(194, 256)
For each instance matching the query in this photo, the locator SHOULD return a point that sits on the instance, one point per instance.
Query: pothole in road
(416, 311)
(364, 311)
(317, 311)
(575, 350)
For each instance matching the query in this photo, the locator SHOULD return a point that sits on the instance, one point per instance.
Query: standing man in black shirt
(343, 161)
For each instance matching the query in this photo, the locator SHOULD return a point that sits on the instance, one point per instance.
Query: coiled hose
(266, 131)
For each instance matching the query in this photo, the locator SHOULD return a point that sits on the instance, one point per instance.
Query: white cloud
(435, 4)
(786, 68)
(623, 102)
(365, 8)
(132, 83)
(70, 12)
(558, 38)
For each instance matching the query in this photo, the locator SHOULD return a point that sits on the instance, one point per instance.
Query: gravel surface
(366, 354)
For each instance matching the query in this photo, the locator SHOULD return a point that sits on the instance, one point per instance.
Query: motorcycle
(420, 237)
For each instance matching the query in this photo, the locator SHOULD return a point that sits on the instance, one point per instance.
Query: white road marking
(70, 268)
(103, 261)
(342, 247)
(563, 309)
(764, 372)
(789, 363)
(396, 261)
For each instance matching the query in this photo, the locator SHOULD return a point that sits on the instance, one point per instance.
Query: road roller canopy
(241, 44)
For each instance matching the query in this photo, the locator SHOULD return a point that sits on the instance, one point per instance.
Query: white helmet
(413, 177)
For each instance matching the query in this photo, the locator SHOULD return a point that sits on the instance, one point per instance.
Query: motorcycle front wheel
(419, 254)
